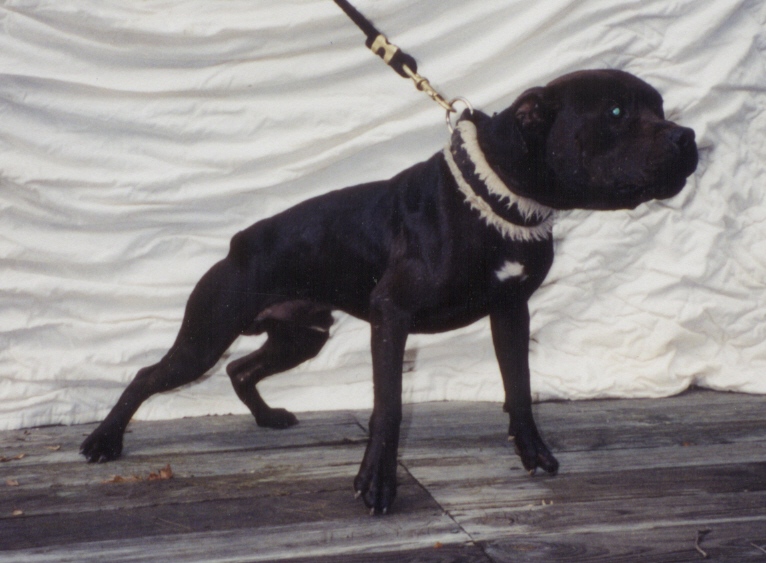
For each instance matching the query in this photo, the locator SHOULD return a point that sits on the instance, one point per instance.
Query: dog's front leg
(510, 335)
(376, 480)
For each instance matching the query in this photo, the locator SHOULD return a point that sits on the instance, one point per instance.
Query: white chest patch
(510, 270)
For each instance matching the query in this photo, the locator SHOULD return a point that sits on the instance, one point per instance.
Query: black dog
(460, 236)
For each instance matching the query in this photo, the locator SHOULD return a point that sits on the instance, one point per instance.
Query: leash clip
(407, 67)
(422, 84)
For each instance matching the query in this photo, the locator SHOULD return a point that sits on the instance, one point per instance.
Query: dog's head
(594, 139)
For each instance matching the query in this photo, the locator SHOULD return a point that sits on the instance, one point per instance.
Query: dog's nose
(683, 140)
(682, 137)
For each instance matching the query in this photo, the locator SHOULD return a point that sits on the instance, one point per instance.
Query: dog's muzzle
(683, 140)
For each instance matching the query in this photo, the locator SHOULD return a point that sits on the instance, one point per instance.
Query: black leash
(378, 43)
(403, 63)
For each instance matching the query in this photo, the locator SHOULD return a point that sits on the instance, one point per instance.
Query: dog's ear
(526, 122)
(532, 111)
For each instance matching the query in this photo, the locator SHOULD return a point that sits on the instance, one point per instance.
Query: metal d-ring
(452, 109)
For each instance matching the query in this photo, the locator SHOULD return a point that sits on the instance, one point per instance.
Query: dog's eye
(616, 112)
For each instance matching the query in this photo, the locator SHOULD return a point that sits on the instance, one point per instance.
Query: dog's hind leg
(296, 331)
(219, 309)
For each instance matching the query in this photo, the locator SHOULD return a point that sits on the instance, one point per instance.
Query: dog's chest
(515, 231)
(476, 281)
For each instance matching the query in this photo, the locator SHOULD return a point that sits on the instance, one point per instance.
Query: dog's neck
(515, 217)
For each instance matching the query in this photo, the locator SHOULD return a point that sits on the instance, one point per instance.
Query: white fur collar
(527, 208)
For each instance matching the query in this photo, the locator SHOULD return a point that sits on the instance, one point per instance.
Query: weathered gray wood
(438, 553)
(637, 479)
(603, 515)
(594, 425)
(272, 465)
(517, 489)
(243, 549)
(728, 542)
(313, 501)
(361, 536)
(585, 425)
(80, 488)
(212, 433)
(498, 463)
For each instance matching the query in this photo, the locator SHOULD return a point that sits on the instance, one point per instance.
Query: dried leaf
(438, 545)
(14, 458)
(12, 483)
(163, 474)
(18, 512)
(53, 448)
(121, 479)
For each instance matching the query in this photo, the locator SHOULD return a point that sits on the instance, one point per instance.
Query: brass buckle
(381, 44)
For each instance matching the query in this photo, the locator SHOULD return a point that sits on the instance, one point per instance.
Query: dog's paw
(376, 490)
(534, 453)
(101, 447)
(375, 483)
(276, 418)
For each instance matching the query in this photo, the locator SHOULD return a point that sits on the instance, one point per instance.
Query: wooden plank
(438, 553)
(730, 542)
(434, 464)
(309, 519)
(687, 408)
(600, 424)
(55, 492)
(307, 502)
(362, 538)
(476, 477)
(614, 486)
(272, 465)
(616, 517)
(214, 433)
(612, 436)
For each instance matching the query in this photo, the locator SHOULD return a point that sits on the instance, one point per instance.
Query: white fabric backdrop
(137, 138)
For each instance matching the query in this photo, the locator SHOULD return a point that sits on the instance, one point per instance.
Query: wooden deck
(639, 481)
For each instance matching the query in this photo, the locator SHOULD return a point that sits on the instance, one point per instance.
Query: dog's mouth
(674, 178)
(632, 195)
